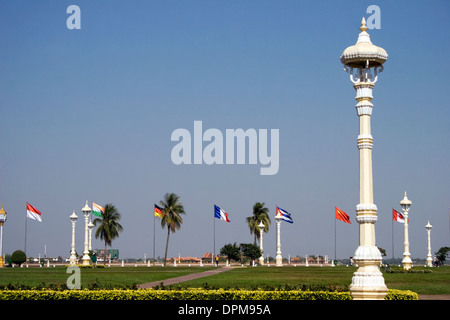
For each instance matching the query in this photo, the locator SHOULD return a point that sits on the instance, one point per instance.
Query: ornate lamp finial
(363, 25)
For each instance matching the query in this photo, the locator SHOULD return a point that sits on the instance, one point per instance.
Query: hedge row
(191, 294)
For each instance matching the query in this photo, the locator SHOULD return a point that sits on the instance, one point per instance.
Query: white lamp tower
(278, 258)
(73, 258)
(261, 231)
(406, 204)
(2, 221)
(364, 61)
(429, 259)
(86, 212)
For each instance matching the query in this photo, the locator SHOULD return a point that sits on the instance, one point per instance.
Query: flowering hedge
(190, 294)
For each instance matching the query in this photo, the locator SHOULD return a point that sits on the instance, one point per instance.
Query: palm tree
(171, 209)
(260, 213)
(109, 227)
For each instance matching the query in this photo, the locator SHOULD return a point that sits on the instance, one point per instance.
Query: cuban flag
(286, 216)
(220, 214)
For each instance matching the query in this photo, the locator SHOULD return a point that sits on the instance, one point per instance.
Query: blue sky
(88, 115)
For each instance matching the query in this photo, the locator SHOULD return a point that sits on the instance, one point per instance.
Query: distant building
(207, 257)
(111, 254)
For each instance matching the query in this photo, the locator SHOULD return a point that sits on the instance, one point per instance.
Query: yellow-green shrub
(190, 294)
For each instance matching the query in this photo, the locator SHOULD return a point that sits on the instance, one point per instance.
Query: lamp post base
(279, 260)
(86, 259)
(1, 262)
(368, 282)
(407, 263)
(368, 293)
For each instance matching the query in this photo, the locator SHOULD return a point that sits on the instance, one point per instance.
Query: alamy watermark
(374, 21)
(226, 151)
(74, 280)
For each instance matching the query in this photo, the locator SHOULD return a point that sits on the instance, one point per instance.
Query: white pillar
(73, 257)
(366, 60)
(406, 262)
(429, 258)
(261, 231)
(1, 244)
(86, 211)
(279, 258)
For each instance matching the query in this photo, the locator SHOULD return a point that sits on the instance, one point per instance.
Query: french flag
(220, 214)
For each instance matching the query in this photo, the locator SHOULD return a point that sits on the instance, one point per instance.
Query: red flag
(341, 215)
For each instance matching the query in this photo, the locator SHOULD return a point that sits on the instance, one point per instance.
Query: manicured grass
(273, 277)
(436, 282)
(113, 276)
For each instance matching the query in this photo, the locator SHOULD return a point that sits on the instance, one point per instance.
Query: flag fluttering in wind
(97, 210)
(220, 214)
(285, 216)
(158, 212)
(33, 213)
(397, 216)
(341, 215)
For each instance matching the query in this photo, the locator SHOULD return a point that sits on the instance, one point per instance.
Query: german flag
(158, 212)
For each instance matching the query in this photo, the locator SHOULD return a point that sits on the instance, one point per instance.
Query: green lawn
(114, 276)
(436, 282)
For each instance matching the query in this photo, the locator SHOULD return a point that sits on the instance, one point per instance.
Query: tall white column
(261, 231)
(1, 244)
(73, 257)
(2, 221)
(406, 262)
(278, 258)
(86, 212)
(364, 62)
(429, 258)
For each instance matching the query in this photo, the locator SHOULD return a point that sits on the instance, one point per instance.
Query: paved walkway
(434, 297)
(188, 277)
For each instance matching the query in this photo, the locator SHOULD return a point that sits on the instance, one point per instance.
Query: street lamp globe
(405, 203)
(86, 210)
(2, 215)
(73, 217)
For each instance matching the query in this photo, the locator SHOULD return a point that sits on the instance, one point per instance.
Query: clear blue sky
(88, 115)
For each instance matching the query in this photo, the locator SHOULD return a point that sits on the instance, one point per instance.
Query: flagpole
(214, 250)
(393, 256)
(335, 257)
(25, 246)
(154, 218)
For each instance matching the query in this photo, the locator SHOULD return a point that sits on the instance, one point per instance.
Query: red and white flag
(397, 216)
(33, 213)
